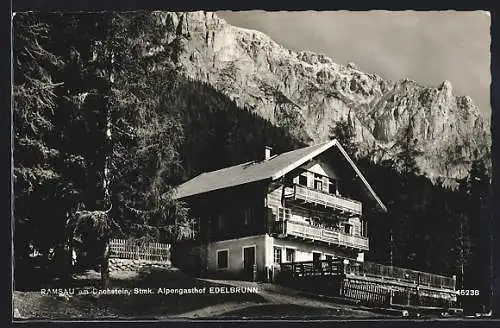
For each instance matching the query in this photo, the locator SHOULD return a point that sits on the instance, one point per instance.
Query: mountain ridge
(308, 93)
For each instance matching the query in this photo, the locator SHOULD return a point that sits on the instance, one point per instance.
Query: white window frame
(294, 254)
(274, 254)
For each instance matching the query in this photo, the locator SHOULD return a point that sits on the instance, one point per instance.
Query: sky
(428, 47)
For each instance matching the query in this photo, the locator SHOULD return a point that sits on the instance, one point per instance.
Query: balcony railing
(369, 269)
(326, 199)
(330, 236)
(375, 270)
(312, 268)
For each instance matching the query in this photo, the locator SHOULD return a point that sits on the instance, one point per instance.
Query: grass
(33, 305)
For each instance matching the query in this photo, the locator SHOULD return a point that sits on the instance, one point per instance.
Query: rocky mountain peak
(309, 93)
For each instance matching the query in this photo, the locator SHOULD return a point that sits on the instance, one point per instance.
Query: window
(329, 258)
(347, 228)
(284, 213)
(303, 180)
(318, 182)
(318, 185)
(223, 259)
(277, 255)
(333, 187)
(290, 255)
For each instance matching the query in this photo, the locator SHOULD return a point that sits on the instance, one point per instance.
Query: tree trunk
(64, 263)
(105, 266)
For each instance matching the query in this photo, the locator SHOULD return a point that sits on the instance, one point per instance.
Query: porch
(370, 283)
(370, 271)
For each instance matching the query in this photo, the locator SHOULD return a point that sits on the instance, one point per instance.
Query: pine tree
(140, 139)
(344, 132)
(38, 183)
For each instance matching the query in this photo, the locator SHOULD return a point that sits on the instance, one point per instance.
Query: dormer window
(333, 187)
(303, 179)
(318, 182)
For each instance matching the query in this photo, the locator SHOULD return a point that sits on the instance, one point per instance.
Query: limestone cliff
(308, 93)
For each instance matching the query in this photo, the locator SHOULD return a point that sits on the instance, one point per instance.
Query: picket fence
(132, 249)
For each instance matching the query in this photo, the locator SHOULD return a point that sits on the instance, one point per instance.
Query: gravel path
(278, 295)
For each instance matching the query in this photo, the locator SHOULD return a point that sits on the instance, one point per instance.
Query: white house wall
(235, 248)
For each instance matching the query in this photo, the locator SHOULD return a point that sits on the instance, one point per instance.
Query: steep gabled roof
(270, 169)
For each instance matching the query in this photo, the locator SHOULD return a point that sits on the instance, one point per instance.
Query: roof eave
(219, 189)
(303, 160)
(360, 175)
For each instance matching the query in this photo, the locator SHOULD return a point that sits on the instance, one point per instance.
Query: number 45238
(468, 292)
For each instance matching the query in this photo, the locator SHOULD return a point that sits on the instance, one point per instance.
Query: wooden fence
(135, 250)
(366, 292)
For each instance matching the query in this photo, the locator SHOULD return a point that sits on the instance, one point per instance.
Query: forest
(105, 127)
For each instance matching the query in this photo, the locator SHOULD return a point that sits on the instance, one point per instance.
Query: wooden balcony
(312, 233)
(401, 275)
(372, 272)
(318, 197)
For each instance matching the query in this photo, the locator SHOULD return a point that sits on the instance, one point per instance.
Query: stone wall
(116, 264)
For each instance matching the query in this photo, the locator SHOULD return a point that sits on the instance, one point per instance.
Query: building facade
(304, 205)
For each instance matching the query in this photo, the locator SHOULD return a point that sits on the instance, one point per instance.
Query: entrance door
(248, 262)
(317, 260)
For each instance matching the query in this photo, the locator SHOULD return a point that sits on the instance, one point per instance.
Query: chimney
(267, 152)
